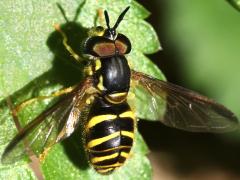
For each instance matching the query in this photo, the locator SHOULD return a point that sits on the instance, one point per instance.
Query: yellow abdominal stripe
(101, 140)
(111, 156)
(105, 170)
(117, 164)
(128, 134)
(98, 141)
(126, 114)
(98, 119)
(124, 154)
(103, 158)
(111, 149)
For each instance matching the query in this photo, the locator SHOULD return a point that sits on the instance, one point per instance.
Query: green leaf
(235, 4)
(20, 169)
(34, 62)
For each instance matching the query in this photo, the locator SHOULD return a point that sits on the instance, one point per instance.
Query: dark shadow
(74, 148)
(66, 72)
(70, 72)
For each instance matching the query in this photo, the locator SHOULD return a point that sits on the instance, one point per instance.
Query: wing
(51, 126)
(184, 109)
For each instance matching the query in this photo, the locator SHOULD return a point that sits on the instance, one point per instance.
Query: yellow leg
(67, 46)
(43, 155)
(101, 17)
(55, 94)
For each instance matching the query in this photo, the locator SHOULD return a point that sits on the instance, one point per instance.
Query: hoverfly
(100, 104)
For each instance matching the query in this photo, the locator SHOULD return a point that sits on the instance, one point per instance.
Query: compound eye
(99, 46)
(123, 44)
(104, 47)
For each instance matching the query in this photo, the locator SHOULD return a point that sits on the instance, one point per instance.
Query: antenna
(120, 18)
(107, 19)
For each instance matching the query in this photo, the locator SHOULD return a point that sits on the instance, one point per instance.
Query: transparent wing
(184, 109)
(51, 126)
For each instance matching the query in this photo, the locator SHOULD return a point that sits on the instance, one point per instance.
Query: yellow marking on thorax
(124, 154)
(98, 64)
(98, 119)
(100, 84)
(127, 114)
(116, 98)
(98, 141)
(103, 158)
(128, 134)
(88, 70)
(90, 100)
(118, 94)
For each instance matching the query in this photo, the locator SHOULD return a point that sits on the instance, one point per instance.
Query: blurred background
(200, 41)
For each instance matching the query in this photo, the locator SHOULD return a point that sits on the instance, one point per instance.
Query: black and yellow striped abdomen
(109, 135)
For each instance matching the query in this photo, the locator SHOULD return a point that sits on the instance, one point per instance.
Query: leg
(43, 155)
(67, 46)
(100, 16)
(55, 94)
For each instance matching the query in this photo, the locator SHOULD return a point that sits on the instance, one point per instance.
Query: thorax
(112, 77)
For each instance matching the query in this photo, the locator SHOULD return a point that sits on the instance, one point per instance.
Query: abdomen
(109, 135)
